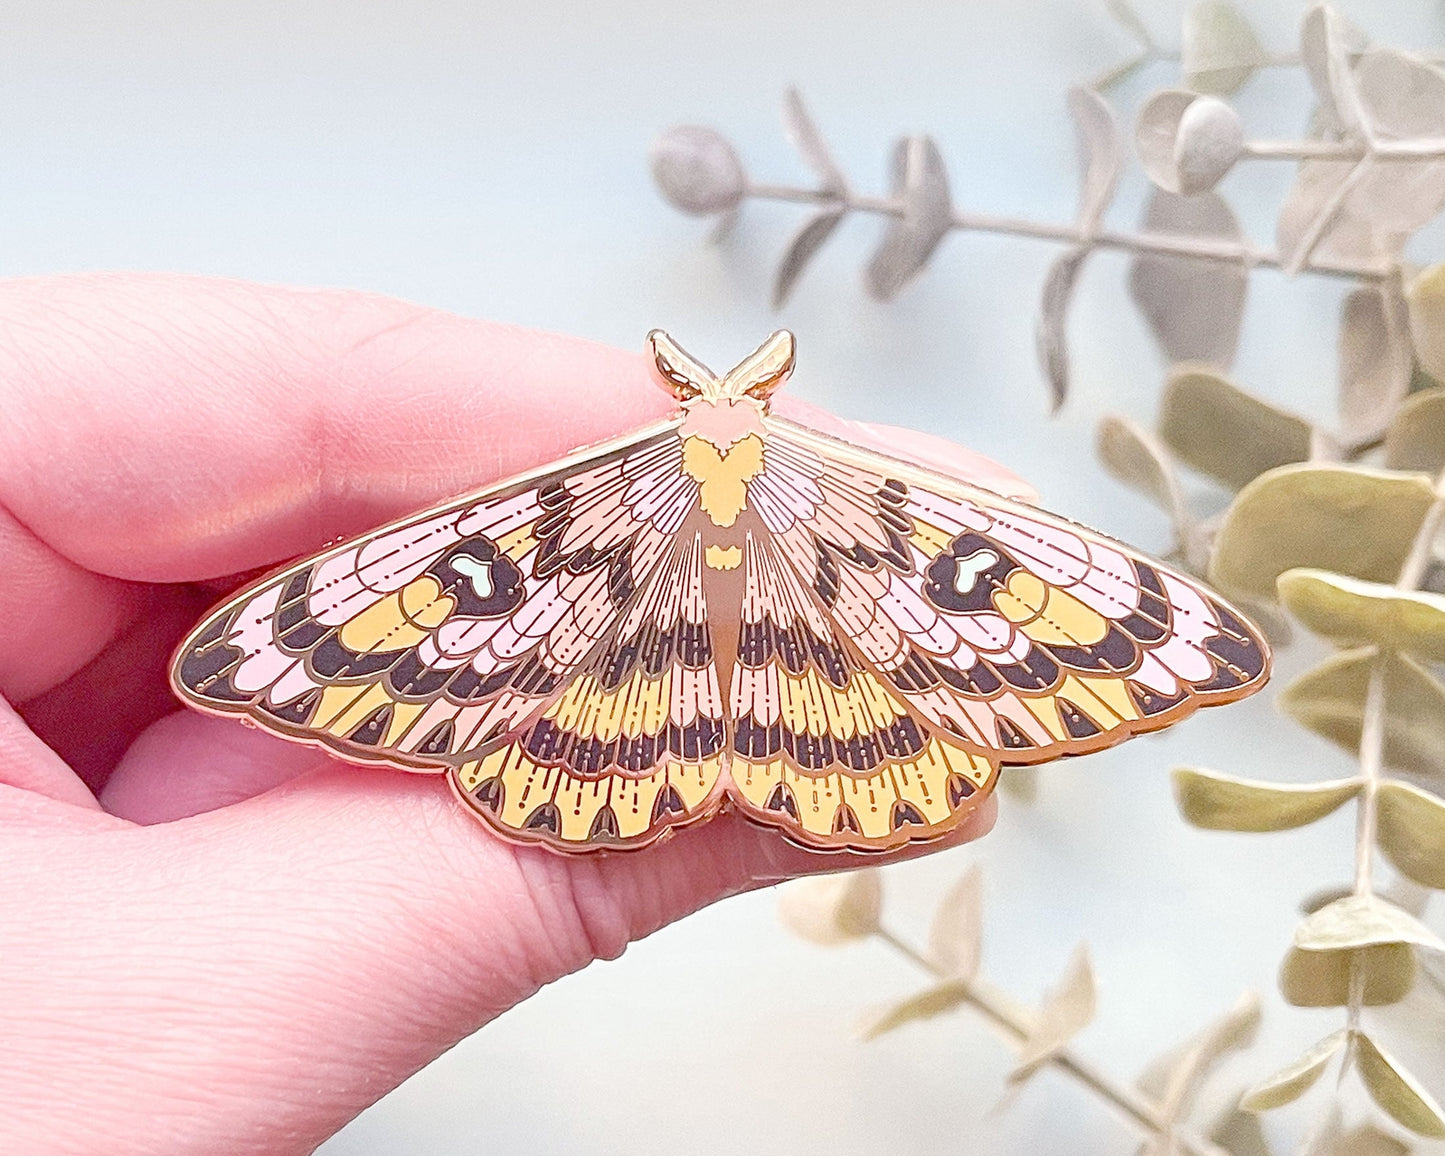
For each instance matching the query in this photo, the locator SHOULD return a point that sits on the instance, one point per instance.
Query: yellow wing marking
(1048, 615)
(810, 704)
(1105, 700)
(878, 808)
(519, 543)
(723, 477)
(343, 708)
(929, 538)
(399, 620)
(527, 796)
(638, 707)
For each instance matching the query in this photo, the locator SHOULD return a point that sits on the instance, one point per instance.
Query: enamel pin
(725, 610)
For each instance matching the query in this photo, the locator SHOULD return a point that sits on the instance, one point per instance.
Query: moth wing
(823, 747)
(633, 747)
(428, 641)
(1019, 635)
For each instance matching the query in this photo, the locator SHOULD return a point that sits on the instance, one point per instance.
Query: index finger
(167, 428)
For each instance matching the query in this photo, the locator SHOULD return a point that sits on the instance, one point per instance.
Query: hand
(216, 940)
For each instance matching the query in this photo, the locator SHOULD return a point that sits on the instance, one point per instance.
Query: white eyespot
(968, 570)
(479, 572)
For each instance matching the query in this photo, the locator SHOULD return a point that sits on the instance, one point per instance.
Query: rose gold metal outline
(759, 375)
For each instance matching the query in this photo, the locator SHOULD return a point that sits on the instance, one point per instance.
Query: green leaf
(1217, 428)
(1293, 1081)
(1416, 437)
(833, 909)
(1239, 1133)
(1134, 456)
(1220, 50)
(1367, 1140)
(1396, 1090)
(1330, 700)
(1350, 612)
(1411, 832)
(930, 1002)
(1322, 978)
(1348, 519)
(1224, 803)
(1425, 295)
(1021, 783)
(1363, 921)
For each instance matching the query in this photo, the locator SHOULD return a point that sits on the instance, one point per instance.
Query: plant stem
(1203, 248)
(1372, 746)
(1416, 148)
(1015, 1022)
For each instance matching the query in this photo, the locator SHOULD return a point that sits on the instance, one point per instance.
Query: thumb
(254, 976)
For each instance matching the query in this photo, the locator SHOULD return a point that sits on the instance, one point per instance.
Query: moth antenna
(681, 374)
(765, 369)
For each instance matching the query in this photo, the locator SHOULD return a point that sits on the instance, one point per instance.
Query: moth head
(757, 376)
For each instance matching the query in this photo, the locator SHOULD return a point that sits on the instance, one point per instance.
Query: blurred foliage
(1333, 521)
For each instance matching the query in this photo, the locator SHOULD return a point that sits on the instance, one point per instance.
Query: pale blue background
(489, 158)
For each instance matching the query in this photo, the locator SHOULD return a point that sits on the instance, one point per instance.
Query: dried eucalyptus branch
(1373, 172)
(1163, 244)
(1336, 521)
(838, 909)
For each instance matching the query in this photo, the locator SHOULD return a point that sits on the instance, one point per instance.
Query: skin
(216, 940)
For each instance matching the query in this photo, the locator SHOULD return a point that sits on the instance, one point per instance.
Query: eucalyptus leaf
(1323, 1136)
(1234, 1030)
(1403, 98)
(927, 1004)
(955, 938)
(1193, 306)
(1416, 437)
(1352, 612)
(1218, 428)
(1322, 978)
(1134, 456)
(1318, 193)
(1425, 297)
(1130, 21)
(1240, 1133)
(1363, 921)
(1187, 142)
(801, 249)
(1349, 519)
(1358, 208)
(1051, 329)
(1330, 700)
(833, 909)
(1021, 783)
(920, 185)
(1375, 359)
(1066, 1010)
(1097, 138)
(1411, 832)
(1326, 40)
(697, 170)
(1221, 802)
(1324, 896)
(1367, 1140)
(801, 129)
(1220, 51)
(1396, 1091)
(1294, 1080)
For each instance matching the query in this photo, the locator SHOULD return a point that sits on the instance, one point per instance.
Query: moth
(723, 611)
